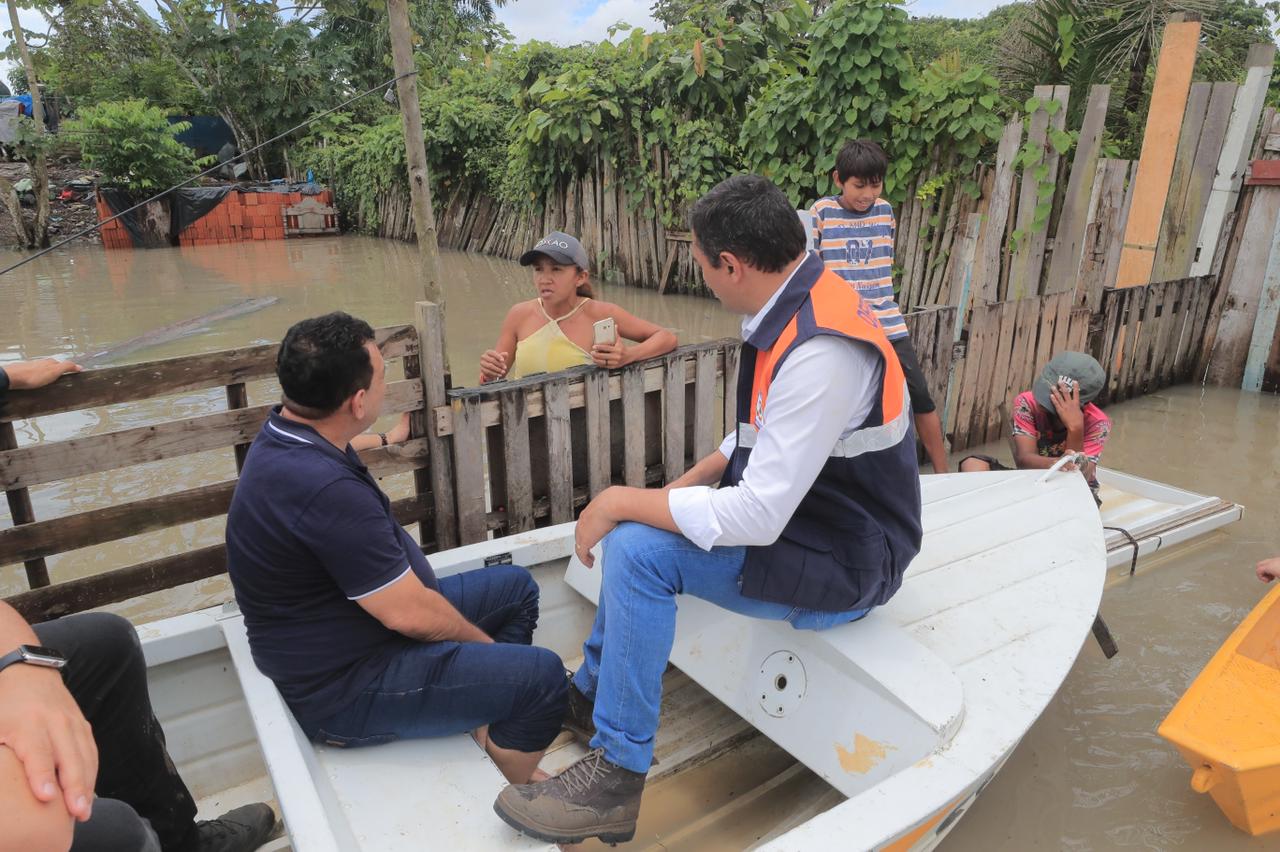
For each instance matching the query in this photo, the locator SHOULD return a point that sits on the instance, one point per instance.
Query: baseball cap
(1079, 367)
(558, 246)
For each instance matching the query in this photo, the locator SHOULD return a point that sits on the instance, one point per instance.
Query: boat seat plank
(397, 796)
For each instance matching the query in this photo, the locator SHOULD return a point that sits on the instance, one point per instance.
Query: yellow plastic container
(1227, 724)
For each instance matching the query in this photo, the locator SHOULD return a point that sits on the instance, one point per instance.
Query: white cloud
(573, 22)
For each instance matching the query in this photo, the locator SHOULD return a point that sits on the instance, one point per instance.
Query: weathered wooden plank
(1028, 259)
(48, 462)
(1241, 130)
(1103, 233)
(1244, 289)
(599, 449)
(1078, 337)
(673, 417)
(429, 322)
(238, 397)
(653, 381)
(1264, 325)
(120, 585)
(22, 512)
(559, 451)
(515, 454)
(1000, 369)
(1147, 338)
(1044, 335)
(1022, 365)
(97, 526)
(1173, 220)
(1198, 295)
(1129, 344)
(134, 382)
(1159, 143)
(633, 442)
(704, 405)
(1068, 243)
(729, 394)
(1164, 339)
(468, 461)
(983, 332)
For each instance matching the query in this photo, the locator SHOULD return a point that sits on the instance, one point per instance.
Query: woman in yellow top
(555, 331)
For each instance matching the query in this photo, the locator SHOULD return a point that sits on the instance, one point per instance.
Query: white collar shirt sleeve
(825, 389)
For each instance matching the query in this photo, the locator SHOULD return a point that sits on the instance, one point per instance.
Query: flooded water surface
(1091, 774)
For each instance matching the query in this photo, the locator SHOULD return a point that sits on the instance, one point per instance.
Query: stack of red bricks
(114, 234)
(239, 217)
(243, 216)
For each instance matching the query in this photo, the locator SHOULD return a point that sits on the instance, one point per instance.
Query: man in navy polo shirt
(342, 609)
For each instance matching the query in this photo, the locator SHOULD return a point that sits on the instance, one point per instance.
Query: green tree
(133, 145)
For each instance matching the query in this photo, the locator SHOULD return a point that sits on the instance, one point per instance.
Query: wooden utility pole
(39, 237)
(424, 220)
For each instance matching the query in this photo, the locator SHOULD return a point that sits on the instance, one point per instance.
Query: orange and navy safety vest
(856, 530)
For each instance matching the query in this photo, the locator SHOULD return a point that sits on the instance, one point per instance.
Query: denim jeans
(434, 689)
(626, 653)
(106, 674)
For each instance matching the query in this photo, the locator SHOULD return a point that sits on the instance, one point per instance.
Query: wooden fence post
(1068, 242)
(1028, 260)
(21, 511)
(430, 325)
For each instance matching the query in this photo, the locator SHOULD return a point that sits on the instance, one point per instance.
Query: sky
(589, 20)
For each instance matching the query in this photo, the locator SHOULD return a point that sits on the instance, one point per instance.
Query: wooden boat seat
(394, 796)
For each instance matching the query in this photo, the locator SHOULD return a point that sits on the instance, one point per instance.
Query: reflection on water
(1092, 774)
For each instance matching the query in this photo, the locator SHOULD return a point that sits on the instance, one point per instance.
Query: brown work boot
(578, 714)
(590, 798)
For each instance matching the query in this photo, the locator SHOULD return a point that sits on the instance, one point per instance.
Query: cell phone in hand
(605, 331)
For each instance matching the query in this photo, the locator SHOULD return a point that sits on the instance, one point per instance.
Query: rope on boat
(1133, 564)
(89, 230)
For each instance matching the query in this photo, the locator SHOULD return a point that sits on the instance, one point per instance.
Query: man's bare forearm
(706, 472)
(440, 622)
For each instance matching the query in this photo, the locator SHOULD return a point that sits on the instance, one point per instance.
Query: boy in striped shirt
(854, 233)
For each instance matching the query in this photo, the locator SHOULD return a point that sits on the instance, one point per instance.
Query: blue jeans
(434, 689)
(626, 653)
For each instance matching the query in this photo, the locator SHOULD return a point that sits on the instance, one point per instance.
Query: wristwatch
(33, 655)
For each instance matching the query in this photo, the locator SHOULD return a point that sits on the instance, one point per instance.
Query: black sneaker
(578, 714)
(590, 798)
(241, 830)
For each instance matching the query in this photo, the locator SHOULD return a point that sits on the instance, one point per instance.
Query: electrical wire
(240, 156)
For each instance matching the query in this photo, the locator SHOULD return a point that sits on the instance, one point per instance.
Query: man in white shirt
(816, 519)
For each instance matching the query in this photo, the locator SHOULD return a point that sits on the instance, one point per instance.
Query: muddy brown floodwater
(1091, 774)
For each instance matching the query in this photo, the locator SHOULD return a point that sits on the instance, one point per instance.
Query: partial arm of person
(651, 340)
(1268, 569)
(408, 607)
(495, 362)
(397, 434)
(43, 728)
(29, 375)
(363, 549)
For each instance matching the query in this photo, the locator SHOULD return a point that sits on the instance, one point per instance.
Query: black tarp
(190, 204)
(149, 226)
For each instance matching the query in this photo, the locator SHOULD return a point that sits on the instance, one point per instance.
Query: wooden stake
(415, 149)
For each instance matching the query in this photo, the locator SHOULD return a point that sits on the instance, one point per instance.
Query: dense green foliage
(133, 145)
(774, 86)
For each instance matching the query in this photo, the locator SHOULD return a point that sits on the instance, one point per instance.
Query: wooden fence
(560, 438)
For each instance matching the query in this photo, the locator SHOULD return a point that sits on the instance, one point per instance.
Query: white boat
(877, 734)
